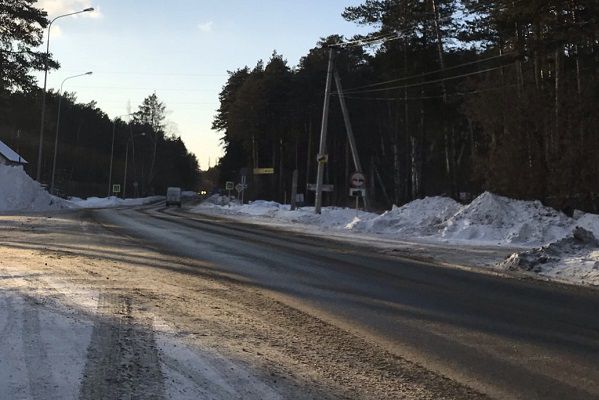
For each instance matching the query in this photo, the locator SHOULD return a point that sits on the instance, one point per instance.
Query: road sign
(358, 180)
(322, 158)
(325, 188)
(264, 171)
(240, 187)
(116, 188)
(229, 185)
(353, 192)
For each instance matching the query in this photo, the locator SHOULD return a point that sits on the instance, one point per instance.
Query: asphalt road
(508, 338)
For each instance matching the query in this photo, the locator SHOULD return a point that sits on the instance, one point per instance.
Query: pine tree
(22, 31)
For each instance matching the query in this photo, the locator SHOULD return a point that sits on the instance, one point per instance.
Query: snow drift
(21, 193)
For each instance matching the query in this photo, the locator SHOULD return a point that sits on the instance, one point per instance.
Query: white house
(9, 157)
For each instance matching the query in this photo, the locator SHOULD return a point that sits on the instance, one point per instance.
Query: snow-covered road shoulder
(113, 201)
(489, 222)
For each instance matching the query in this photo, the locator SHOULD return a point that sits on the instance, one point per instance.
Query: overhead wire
(430, 72)
(424, 83)
(458, 94)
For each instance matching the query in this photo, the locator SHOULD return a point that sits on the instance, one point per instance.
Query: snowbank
(493, 219)
(573, 259)
(556, 249)
(21, 193)
(489, 220)
(334, 218)
(112, 201)
(418, 218)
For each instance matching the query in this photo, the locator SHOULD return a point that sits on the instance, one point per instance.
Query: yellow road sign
(264, 171)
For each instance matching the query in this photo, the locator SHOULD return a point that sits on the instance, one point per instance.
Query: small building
(9, 157)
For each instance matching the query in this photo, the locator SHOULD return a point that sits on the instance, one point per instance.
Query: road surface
(334, 319)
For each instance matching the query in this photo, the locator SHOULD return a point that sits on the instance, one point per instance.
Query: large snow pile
(574, 258)
(21, 193)
(423, 217)
(499, 220)
(112, 201)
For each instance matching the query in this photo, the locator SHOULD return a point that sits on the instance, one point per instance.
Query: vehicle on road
(173, 196)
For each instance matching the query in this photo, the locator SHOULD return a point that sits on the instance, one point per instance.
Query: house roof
(10, 155)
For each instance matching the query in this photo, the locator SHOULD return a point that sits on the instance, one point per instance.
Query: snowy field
(551, 247)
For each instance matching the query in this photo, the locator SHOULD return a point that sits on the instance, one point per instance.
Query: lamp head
(88, 9)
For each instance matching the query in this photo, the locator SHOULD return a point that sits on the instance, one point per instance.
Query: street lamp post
(39, 152)
(112, 151)
(58, 128)
(132, 140)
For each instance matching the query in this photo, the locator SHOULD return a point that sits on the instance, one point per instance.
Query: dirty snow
(112, 201)
(574, 258)
(489, 220)
(21, 193)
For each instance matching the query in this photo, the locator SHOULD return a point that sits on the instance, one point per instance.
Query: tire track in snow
(39, 370)
(122, 360)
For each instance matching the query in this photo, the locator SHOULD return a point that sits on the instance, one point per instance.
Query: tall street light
(58, 127)
(39, 152)
(112, 150)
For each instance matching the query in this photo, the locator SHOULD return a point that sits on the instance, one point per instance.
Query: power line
(459, 94)
(154, 73)
(143, 88)
(431, 72)
(425, 83)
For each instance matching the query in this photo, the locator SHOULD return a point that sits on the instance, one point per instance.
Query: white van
(173, 196)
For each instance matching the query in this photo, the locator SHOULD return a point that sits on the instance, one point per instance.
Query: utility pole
(349, 130)
(293, 189)
(322, 157)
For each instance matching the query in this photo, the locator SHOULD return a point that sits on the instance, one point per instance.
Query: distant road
(507, 338)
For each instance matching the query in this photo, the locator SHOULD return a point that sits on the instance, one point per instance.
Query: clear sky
(182, 50)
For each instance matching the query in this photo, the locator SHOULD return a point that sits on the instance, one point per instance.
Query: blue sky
(182, 50)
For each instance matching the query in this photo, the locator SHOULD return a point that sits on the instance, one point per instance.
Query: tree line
(146, 157)
(448, 97)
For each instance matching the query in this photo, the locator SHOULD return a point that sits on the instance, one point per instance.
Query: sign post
(243, 186)
(228, 187)
(357, 182)
(294, 190)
